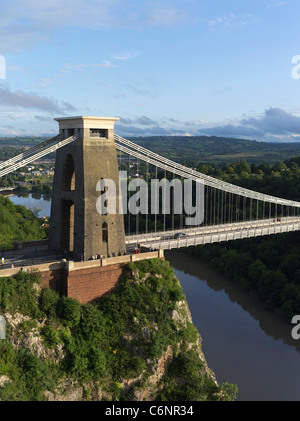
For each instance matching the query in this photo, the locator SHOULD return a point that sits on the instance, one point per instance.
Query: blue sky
(163, 67)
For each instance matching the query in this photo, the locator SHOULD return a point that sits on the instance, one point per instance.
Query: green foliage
(18, 295)
(191, 384)
(22, 141)
(280, 179)
(7, 152)
(51, 336)
(48, 301)
(29, 375)
(68, 311)
(97, 361)
(17, 223)
(92, 321)
(7, 290)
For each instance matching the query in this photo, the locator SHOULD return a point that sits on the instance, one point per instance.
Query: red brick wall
(88, 284)
(55, 279)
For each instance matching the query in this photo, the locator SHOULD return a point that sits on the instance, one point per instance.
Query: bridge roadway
(210, 234)
(29, 256)
(32, 256)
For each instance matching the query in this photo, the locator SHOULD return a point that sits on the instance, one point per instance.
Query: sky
(163, 67)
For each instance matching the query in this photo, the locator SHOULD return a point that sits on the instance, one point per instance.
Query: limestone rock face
(30, 338)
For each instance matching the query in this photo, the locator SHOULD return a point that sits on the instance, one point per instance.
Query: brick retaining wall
(85, 281)
(86, 285)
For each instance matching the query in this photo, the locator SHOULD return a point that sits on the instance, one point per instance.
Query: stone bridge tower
(76, 225)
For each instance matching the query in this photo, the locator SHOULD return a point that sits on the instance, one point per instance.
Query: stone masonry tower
(76, 225)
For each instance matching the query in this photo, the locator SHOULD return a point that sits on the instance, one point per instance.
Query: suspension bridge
(88, 151)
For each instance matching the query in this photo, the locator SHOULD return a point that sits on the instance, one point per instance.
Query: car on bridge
(179, 235)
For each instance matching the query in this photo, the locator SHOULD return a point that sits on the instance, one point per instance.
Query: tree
(256, 270)
(242, 167)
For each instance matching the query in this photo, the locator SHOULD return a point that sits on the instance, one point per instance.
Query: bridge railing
(10, 263)
(221, 236)
(211, 230)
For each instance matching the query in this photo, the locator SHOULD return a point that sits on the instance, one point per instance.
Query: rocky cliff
(138, 343)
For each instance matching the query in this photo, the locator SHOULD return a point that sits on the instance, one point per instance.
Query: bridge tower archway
(67, 225)
(68, 174)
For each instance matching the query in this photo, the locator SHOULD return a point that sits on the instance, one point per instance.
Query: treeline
(7, 152)
(281, 179)
(21, 140)
(36, 188)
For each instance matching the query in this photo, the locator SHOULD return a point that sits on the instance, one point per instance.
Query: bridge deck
(217, 233)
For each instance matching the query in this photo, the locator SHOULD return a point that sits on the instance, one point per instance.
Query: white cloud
(165, 13)
(145, 126)
(105, 64)
(232, 21)
(26, 22)
(125, 56)
(32, 100)
(277, 4)
(275, 125)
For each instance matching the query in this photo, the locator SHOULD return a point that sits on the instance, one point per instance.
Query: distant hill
(217, 149)
(20, 141)
(195, 149)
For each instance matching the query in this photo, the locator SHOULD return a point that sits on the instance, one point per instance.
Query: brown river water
(243, 343)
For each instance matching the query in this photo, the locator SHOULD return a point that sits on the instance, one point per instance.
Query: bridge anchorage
(111, 196)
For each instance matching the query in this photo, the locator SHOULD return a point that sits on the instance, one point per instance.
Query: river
(243, 343)
(39, 202)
